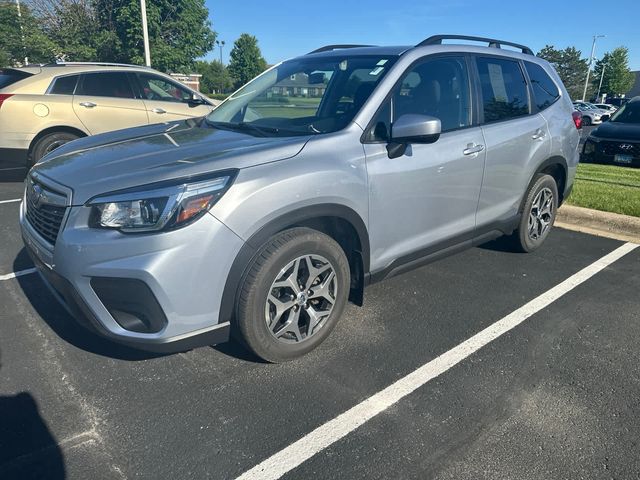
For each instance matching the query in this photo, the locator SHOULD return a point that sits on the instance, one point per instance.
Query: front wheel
(538, 214)
(293, 294)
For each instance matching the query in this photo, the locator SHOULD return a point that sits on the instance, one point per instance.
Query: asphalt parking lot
(556, 396)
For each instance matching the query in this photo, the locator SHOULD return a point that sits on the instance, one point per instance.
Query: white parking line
(11, 275)
(298, 452)
(13, 200)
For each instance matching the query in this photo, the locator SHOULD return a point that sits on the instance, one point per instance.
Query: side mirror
(195, 100)
(605, 117)
(412, 128)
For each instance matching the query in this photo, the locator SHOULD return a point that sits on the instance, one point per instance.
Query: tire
(272, 316)
(538, 214)
(48, 143)
(586, 121)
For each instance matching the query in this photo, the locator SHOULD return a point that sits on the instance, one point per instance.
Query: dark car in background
(616, 141)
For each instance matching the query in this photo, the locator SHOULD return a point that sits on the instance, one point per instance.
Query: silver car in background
(325, 174)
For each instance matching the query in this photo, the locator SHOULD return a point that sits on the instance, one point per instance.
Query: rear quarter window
(545, 91)
(64, 85)
(9, 76)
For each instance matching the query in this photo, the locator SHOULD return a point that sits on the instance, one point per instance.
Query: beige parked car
(43, 107)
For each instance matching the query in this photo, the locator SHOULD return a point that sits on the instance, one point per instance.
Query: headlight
(161, 206)
(590, 145)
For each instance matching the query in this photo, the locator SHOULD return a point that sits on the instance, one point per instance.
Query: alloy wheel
(541, 214)
(301, 298)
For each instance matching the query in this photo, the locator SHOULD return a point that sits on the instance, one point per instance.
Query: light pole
(593, 51)
(26, 59)
(604, 66)
(220, 44)
(145, 33)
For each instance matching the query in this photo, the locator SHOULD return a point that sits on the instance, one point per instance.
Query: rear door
(105, 101)
(516, 138)
(167, 100)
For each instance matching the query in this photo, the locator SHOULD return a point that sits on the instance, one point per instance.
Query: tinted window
(545, 92)
(9, 76)
(439, 88)
(64, 85)
(628, 113)
(504, 90)
(108, 84)
(157, 88)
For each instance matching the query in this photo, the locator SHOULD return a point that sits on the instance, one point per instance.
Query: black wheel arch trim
(549, 162)
(247, 253)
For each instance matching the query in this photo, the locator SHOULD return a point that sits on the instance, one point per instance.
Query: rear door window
(545, 91)
(107, 84)
(64, 85)
(504, 89)
(9, 76)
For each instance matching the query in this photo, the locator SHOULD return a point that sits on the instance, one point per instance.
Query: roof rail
(328, 48)
(437, 40)
(98, 64)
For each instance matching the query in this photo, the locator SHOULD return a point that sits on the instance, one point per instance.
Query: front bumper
(606, 152)
(185, 270)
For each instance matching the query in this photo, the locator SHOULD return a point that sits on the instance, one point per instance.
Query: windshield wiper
(243, 126)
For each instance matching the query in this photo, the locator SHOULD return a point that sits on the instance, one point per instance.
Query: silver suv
(326, 173)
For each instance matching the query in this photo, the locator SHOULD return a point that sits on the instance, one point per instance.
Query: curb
(595, 222)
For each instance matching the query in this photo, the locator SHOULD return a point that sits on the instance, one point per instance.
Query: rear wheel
(293, 294)
(586, 121)
(538, 214)
(48, 143)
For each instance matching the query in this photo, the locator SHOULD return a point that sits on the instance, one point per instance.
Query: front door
(427, 198)
(166, 100)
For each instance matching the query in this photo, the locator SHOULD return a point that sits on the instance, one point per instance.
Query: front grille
(616, 148)
(43, 210)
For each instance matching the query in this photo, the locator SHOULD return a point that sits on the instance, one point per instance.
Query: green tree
(246, 60)
(571, 68)
(618, 78)
(179, 32)
(17, 43)
(215, 77)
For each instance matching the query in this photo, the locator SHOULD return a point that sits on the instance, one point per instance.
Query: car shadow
(63, 324)
(8, 175)
(28, 449)
(500, 244)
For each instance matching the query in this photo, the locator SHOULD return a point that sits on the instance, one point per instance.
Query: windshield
(303, 96)
(628, 113)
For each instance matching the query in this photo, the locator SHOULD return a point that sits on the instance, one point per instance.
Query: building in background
(191, 80)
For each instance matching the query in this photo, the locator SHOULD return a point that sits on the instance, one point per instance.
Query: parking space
(555, 397)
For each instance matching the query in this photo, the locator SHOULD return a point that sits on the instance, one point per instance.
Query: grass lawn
(608, 188)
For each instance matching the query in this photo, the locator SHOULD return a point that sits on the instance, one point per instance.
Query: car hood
(128, 158)
(618, 131)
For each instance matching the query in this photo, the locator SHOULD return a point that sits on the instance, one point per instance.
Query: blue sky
(287, 28)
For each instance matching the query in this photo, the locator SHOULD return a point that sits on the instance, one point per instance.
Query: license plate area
(627, 159)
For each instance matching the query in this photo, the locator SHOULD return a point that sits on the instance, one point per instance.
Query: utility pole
(601, 77)
(220, 44)
(145, 33)
(26, 59)
(593, 51)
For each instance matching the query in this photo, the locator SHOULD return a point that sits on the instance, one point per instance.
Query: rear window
(64, 85)
(545, 92)
(504, 90)
(9, 76)
(108, 84)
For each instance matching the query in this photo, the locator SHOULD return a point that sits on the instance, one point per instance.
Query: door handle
(472, 149)
(88, 104)
(159, 110)
(539, 134)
